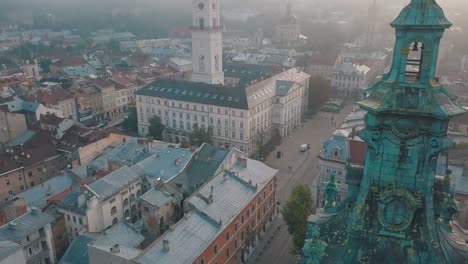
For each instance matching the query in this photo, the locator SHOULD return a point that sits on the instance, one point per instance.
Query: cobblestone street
(295, 167)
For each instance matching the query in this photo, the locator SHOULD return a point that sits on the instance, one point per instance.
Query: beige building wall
(11, 126)
(91, 151)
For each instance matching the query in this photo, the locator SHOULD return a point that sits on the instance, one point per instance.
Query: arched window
(113, 210)
(114, 221)
(414, 62)
(125, 202)
(202, 63)
(138, 192)
(127, 213)
(132, 197)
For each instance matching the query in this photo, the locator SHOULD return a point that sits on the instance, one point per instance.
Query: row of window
(190, 107)
(80, 220)
(236, 225)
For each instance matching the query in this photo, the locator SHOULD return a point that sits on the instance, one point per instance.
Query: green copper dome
(422, 14)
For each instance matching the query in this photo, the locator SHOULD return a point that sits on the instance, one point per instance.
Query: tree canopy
(131, 121)
(295, 213)
(200, 136)
(320, 90)
(156, 128)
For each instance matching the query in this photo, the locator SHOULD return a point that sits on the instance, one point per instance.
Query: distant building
(32, 231)
(55, 97)
(350, 79)
(288, 31)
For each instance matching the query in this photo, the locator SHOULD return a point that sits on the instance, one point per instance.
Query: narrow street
(275, 246)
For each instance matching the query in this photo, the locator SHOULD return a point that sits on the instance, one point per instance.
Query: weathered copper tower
(396, 211)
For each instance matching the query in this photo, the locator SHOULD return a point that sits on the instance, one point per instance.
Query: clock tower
(207, 42)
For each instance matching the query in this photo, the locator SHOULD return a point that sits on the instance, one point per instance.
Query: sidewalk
(266, 239)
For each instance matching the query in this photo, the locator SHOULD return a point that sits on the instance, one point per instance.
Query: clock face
(201, 6)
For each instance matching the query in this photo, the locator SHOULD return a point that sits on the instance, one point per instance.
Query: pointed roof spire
(422, 14)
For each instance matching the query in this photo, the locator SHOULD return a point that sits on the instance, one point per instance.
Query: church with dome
(397, 210)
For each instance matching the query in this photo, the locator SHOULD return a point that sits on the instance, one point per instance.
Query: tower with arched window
(207, 42)
(398, 210)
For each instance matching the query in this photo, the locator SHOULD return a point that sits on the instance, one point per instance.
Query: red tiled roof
(49, 96)
(357, 151)
(56, 199)
(70, 61)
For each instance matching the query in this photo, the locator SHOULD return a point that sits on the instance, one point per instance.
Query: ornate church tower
(397, 210)
(372, 27)
(207, 42)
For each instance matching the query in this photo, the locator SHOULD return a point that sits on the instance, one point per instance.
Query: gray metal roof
(123, 234)
(24, 225)
(77, 252)
(113, 183)
(37, 196)
(8, 248)
(157, 198)
(232, 191)
(190, 237)
(165, 163)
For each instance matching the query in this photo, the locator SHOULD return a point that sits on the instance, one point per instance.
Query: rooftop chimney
(115, 248)
(165, 245)
(12, 224)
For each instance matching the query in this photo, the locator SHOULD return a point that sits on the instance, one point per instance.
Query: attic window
(336, 153)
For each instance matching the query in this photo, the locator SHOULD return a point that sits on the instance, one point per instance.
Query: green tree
(320, 90)
(45, 65)
(295, 213)
(131, 121)
(156, 128)
(200, 136)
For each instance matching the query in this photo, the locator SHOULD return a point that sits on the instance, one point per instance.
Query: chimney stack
(165, 245)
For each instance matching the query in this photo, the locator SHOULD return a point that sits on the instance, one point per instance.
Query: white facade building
(32, 231)
(105, 202)
(350, 79)
(207, 42)
(238, 116)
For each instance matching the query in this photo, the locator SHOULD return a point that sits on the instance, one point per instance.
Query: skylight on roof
(169, 90)
(177, 91)
(184, 92)
(222, 97)
(191, 93)
(215, 96)
(198, 94)
(207, 94)
(163, 89)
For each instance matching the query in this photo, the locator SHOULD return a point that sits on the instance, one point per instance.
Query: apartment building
(32, 231)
